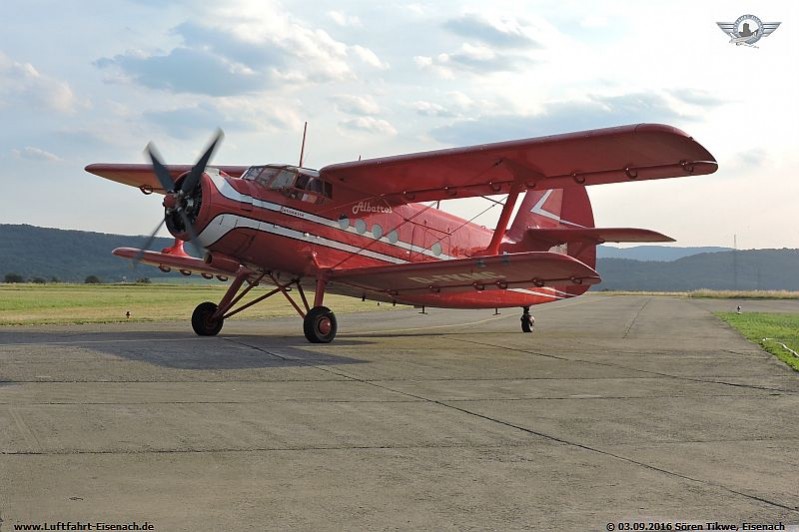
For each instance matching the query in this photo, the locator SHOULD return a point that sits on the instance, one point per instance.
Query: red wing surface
(141, 175)
(627, 153)
(182, 263)
(511, 270)
(595, 235)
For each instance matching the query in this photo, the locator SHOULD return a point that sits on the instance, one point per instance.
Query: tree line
(12, 278)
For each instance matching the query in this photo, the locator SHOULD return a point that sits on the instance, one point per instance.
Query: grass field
(711, 294)
(34, 304)
(770, 331)
(744, 294)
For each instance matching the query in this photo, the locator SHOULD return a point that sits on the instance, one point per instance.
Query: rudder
(559, 208)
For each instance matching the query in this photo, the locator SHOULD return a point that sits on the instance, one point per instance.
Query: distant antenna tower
(735, 261)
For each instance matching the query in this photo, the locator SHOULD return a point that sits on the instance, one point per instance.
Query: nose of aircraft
(183, 197)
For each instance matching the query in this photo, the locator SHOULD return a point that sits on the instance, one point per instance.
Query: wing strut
(504, 218)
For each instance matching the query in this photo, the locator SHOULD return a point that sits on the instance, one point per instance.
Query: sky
(96, 80)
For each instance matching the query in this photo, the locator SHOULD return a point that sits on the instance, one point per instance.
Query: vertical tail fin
(560, 208)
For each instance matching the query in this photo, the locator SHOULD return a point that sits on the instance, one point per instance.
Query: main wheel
(203, 321)
(320, 325)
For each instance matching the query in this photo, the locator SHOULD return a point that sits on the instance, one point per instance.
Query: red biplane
(369, 228)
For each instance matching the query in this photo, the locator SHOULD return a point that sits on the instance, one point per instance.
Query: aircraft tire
(202, 321)
(320, 325)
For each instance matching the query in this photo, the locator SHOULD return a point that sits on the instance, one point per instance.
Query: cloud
(475, 59)
(231, 114)
(21, 84)
(424, 108)
(187, 70)
(454, 104)
(229, 55)
(344, 20)
(503, 33)
(186, 122)
(356, 105)
(368, 57)
(751, 159)
(561, 117)
(698, 97)
(35, 154)
(369, 124)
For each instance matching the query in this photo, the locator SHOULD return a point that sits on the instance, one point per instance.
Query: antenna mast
(302, 148)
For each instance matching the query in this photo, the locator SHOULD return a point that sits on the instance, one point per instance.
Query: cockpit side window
(282, 180)
(300, 184)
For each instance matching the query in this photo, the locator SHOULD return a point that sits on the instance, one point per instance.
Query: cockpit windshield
(296, 183)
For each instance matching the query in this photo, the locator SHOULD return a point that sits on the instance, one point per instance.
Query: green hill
(73, 255)
(756, 269)
(70, 255)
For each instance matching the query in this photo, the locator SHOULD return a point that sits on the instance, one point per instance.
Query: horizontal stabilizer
(598, 235)
(185, 264)
(496, 272)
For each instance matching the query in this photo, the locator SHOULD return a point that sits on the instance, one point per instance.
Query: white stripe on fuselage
(225, 223)
(227, 190)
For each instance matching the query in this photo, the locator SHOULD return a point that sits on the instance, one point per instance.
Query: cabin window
(296, 183)
(393, 237)
(360, 226)
(377, 231)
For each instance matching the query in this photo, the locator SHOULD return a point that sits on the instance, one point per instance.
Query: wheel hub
(324, 325)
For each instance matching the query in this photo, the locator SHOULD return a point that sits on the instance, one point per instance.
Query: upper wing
(142, 176)
(636, 152)
(464, 275)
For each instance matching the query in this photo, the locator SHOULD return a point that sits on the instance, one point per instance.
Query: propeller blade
(159, 169)
(197, 170)
(192, 234)
(148, 243)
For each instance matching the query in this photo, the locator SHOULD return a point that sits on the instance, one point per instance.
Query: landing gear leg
(319, 324)
(527, 320)
(208, 318)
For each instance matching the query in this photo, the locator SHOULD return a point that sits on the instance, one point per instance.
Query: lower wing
(496, 272)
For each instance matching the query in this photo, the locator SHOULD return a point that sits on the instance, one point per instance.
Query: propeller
(179, 200)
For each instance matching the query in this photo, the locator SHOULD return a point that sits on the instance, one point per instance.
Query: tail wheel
(203, 321)
(320, 325)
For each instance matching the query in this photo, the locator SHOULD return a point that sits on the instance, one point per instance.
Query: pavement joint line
(380, 332)
(268, 449)
(516, 445)
(382, 379)
(110, 340)
(635, 318)
(647, 371)
(623, 458)
(358, 401)
(607, 453)
(562, 441)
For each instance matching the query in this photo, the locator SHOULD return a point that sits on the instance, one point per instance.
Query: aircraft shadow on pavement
(180, 350)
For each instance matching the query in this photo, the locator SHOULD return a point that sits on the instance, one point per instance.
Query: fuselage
(292, 225)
